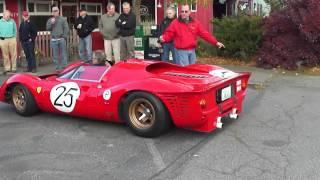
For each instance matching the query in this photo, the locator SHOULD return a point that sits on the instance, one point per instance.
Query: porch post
(19, 12)
(156, 11)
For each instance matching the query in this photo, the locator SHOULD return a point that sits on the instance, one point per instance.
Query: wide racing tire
(146, 115)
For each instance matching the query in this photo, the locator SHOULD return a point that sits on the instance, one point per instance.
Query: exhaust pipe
(219, 124)
(233, 114)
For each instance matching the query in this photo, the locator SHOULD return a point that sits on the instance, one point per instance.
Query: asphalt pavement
(276, 137)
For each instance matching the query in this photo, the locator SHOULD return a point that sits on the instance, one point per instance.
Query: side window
(40, 12)
(69, 74)
(194, 7)
(1, 9)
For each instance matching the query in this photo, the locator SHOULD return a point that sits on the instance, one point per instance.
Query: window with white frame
(40, 12)
(193, 7)
(2, 8)
(40, 7)
(94, 10)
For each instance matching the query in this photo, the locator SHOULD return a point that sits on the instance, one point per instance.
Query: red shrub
(292, 36)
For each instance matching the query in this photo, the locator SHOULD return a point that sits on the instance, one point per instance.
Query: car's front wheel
(146, 115)
(23, 101)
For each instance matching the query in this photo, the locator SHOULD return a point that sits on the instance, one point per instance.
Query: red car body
(192, 95)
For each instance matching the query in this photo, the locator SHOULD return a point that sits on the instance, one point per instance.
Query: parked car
(149, 96)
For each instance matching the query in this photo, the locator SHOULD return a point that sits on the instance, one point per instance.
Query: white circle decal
(64, 96)
(107, 94)
(222, 73)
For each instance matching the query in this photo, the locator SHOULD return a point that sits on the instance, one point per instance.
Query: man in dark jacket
(167, 47)
(27, 35)
(84, 26)
(127, 25)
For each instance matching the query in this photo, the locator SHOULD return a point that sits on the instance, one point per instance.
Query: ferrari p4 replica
(149, 96)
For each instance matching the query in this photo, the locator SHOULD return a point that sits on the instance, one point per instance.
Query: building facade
(152, 12)
(235, 7)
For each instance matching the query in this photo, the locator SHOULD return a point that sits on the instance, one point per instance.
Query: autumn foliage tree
(292, 36)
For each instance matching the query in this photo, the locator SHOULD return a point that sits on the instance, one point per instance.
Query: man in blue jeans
(168, 47)
(59, 33)
(28, 34)
(84, 26)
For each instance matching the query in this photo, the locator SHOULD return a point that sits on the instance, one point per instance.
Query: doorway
(69, 11)
(219, 8)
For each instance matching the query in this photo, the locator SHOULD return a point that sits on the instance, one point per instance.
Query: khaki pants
(9, 49)
(112, 45)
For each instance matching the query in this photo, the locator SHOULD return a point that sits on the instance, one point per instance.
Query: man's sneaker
(34, 71)
(4, 72)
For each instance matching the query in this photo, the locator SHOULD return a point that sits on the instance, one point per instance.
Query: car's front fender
(27, 80)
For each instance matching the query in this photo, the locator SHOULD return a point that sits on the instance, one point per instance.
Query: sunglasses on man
(184, 11)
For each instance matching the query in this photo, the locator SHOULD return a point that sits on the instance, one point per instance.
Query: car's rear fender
(187, 111)
(151, 86)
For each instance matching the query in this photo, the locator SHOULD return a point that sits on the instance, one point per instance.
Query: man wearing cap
(59, 33)
(8, 42)
(110, 33)
(84, 26)
(27, 36)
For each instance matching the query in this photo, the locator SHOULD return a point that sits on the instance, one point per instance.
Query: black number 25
(67, 94)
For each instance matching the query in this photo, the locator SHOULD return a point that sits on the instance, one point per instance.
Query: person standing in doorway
(127, 24)
(184, 31)
(84, 26)
(8, 42)
(27, 36)
(168, 47)
(110, 33)
(59, 28)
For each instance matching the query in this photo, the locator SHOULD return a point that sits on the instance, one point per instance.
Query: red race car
(149, 96)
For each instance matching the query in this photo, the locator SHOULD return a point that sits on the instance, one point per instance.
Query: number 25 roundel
(64, 96)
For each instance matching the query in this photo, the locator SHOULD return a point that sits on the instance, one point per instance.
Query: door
(75, 92)
(69, 11)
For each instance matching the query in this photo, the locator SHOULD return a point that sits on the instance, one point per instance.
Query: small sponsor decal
(39, 89)
(107, 94)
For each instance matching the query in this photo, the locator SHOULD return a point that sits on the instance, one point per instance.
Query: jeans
(85, 48)
(185, 57)
(59, 53)
(167, 47)
(28, 48)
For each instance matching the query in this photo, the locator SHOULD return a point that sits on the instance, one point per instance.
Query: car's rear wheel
(146, 115)
(23, 101)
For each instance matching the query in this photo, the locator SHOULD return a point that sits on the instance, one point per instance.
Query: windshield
(86, 72)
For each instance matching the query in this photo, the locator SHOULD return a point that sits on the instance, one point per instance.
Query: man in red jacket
(184, 31)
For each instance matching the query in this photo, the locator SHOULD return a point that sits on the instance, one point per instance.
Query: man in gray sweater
(59, 33)
(110, 32)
